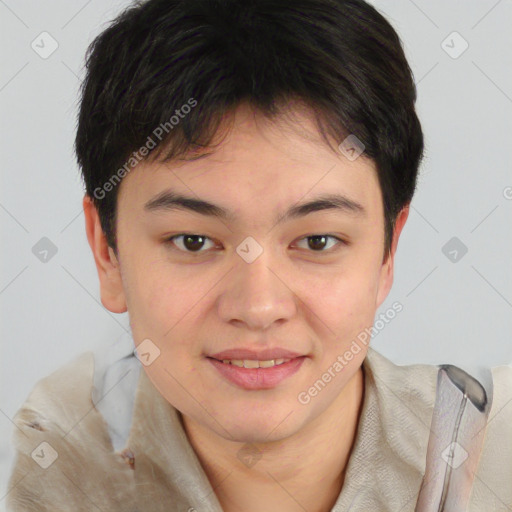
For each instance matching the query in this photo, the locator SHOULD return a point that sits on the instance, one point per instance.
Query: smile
(250, 374)
(251, 363)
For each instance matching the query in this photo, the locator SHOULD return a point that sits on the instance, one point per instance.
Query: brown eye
(318, 243)
(188, 242)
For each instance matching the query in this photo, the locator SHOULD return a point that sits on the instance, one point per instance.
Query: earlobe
(387, 270)
(107, 264)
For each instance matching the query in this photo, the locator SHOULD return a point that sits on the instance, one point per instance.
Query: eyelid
(170, 240)
(340, 241)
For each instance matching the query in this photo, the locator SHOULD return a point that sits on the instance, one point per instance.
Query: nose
(257, 295)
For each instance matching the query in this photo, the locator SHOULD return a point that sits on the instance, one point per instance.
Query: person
(249, 168)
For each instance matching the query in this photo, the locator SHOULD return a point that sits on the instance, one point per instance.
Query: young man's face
(195, 298)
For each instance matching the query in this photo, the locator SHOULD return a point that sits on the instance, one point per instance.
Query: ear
(107, 265)
(386, 273)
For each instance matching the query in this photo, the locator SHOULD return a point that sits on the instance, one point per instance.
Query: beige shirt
(66, 460)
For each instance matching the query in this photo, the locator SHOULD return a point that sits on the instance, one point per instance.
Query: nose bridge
(256, 294)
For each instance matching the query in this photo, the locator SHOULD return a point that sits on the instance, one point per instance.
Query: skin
(312, 302)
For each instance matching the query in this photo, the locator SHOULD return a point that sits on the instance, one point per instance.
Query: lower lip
(258, 378)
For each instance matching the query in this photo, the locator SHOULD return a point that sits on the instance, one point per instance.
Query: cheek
(165, 302)
(153, 297)
(346, 303)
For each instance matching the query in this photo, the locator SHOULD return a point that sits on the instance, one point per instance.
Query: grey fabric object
(457, 432)
(116, 373)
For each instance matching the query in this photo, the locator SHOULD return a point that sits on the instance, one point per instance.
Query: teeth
(250, 363)
(266, 364)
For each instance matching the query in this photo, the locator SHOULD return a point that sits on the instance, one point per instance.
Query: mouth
(257, 374)
(254, 363)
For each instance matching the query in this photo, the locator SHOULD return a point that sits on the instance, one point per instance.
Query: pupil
(315, 239)
(193, 245)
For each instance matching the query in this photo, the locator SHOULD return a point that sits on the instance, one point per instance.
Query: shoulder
(402, 401)
(64, 458)
(48, 403)
(414, 385)
(408, 396)
(389, 454)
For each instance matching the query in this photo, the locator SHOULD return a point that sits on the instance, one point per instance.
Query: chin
(253, 428)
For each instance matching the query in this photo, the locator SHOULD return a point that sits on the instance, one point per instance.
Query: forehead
(276, 162)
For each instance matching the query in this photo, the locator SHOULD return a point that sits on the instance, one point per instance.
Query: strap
(457, 433)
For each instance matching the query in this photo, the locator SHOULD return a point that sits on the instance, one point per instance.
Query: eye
(188, 242)
(319, 242)
(194, 244)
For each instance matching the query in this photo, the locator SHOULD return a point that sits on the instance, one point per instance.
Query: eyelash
(340, 241)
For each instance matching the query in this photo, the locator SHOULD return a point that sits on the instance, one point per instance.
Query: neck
(301, 472)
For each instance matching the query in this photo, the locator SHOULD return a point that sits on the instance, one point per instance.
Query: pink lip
(257, 378)
(263, 355)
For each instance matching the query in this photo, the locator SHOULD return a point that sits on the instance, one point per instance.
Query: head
(220, 120)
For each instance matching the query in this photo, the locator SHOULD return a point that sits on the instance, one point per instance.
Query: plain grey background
(457, 305)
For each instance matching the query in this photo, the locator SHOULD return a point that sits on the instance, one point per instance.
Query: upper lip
(262, 355)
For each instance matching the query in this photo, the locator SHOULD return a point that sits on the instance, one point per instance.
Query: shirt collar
(384, 470)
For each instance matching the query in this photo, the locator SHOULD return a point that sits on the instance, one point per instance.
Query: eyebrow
(169, 201)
